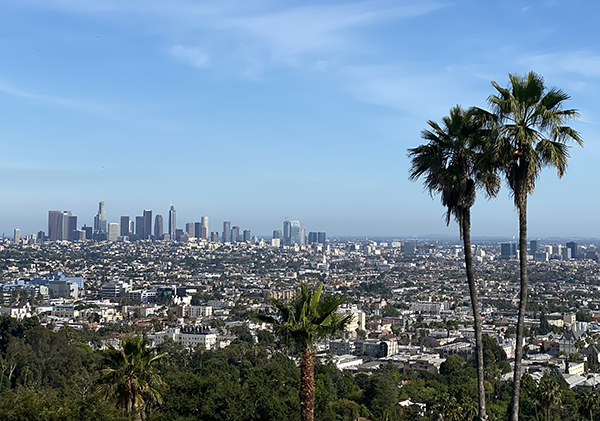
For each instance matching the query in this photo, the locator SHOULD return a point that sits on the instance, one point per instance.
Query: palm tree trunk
(307, 385)
(466, 231)
(522, 205)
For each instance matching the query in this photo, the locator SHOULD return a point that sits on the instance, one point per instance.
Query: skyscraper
(322, 237)
(277, 234)
(247, 235)
(214, 237)
(63, 226)
(17, 235)
(197, 230)
(534, 246)
(312, 237)
(53, 217)
(226, 237)
(113, 231)
(147, 223)
(204, 229)
(72, 232)
(172, 222)
(295, 233)
(573, 246)
(158, 227)
(139, 227)
(100, 219)
(189, 229)
(235, 234)
(125, 226)
(287, 232)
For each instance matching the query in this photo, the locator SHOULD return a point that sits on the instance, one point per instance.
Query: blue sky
(252, 111)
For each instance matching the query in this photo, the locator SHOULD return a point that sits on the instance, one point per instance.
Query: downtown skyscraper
(100, 220)
(158, 227)
(147, 224)
(172, 223)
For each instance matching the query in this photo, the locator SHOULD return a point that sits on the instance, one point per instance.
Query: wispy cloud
(192, 55)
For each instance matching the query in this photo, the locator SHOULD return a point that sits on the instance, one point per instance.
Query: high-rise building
(139, 227)
(235, 234)
(125, 226)
(226, 238)
(131, 227)
(172, 222)
(189, 229)
(41, 236)
(204, 230)
(197, 230)
(247, 235)
(63, 226)
(534, 246)
(17, 235)
(302, 237)
(214, 237)
(321, 237)
(72, 232)
(88, 232)
(147, 224)
(312, 237)
(113, 231)
(508, 250)
(287, 232)
(295, 233)
(573, 246)
(277, 234)
(53, 217)
(158, 227)
(100, 219)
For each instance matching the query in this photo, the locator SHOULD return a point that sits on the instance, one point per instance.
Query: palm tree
(130, 377)
(308, 317)
(453, 163)
(549, 393)
(530, 135)
(591, 400)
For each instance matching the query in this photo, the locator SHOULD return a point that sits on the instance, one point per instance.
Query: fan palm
(454, 164)
(591, 400)
(531, 134)
(308, 317)
(130, 377)
(549, 393)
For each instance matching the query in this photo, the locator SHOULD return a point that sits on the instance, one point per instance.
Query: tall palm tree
(531, 134)
(308, 317)
(453, 164)
(130, 377)
(591, 400)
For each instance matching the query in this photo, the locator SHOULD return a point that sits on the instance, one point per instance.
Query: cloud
(582, 63)
(192, 55)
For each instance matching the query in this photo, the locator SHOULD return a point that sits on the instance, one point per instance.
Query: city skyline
(118, 101)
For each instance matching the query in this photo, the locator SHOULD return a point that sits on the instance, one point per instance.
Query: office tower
(566, 253)
(158, 227)
(197, 230)
(235, 234)
(204, 230)
(72, 228)
(534, 246)
(53, 224)
(277, 234)
(41, 237)
(131, 227)
(139, 227)
(410, 248)
(147, 224)
(17, 235)
(226, 238)
(287, 232)
(573, 246)
(295, 233)
(508, 250)
(63, 226)
(214, 237)
(79, 235)
(178, 234)
(113, 231)
(189, 229)
(88, 232)
(247, 235)
(172, 222)
(100, 219)
(312, 237)
(302, 237)
(125, 226)
(321, 237)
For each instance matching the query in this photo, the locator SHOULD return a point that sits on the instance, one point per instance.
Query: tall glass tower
(172, 223)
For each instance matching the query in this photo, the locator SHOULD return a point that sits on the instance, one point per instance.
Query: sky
(252, 111)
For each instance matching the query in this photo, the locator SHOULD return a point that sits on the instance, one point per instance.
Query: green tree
(591, 401)
(531, 134)
(550, 394)
(130, 377)
(308, 317)
(453, 165)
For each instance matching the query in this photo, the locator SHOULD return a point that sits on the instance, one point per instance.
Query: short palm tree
(531, 134)
(454, 164)
(549, 393)
(308, 317)
(130, 377)
(591, 401)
